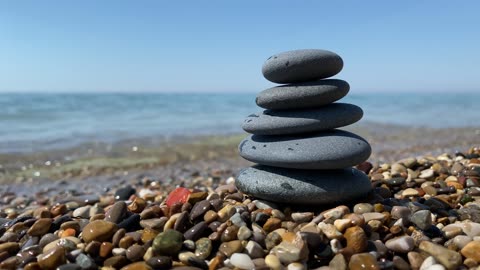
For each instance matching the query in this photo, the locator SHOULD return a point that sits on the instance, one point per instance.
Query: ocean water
(32, 122)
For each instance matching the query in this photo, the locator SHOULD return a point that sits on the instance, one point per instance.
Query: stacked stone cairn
(301, 157)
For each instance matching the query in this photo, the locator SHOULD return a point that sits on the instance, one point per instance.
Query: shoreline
(389, 143)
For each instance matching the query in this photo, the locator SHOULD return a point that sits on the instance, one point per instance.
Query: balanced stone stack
(302, 158)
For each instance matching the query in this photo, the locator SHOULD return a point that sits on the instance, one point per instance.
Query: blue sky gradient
(220, 46)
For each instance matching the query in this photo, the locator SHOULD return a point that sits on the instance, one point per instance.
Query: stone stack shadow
(301, 157)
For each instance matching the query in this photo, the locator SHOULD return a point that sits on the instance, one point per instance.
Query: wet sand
(389, 143)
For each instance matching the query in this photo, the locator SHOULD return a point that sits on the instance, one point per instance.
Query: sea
(42, 121)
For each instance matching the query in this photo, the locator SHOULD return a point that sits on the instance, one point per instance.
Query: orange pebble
(68, 232)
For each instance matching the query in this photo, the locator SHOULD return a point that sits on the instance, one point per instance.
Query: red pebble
(178, 195)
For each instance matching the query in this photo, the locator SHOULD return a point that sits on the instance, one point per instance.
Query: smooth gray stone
(301, 121)
(325, 150)
(303, 186)
(301, 66)
(302, 95)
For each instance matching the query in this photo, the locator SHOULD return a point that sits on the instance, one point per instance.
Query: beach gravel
(218, 227)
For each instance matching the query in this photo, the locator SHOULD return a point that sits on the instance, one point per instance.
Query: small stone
(137, 266)
(196, 231)
(273, 262)
(289, 252)
(356, 239)
(178, 195)
(410, 192)
(402, 244)
(40, 227)
(362, 208)
(244, 233)
(415, 259)
(242, 261)
(373, 216)
(427, 174)
(203, 248)
(472, 251)
(231, 247)
(135, 252)
(254, 250)
(116, 262)
(160, 262)
(302, 217)
(363, 261)
(338, 262)
(124, 193)
(461, 241)
(422, 219)
(272, 224)
(295, 266)
(168, 242)
(52, 259)
(329, 230)
(98, 230)
(199, 209)
(117, 212)
(428, 262)
(85, 262)
(448, 258)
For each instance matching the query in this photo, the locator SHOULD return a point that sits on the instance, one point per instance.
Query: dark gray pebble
(328, 117)
(302, 95)
(303, 186)
(326, 150)
(301, 66)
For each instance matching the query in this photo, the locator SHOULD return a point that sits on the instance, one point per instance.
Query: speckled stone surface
(328, 117)
(326, 150)
(303, 95)
(301, 66)
(303, 186)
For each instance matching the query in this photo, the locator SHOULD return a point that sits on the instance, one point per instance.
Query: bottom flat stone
(303, 186)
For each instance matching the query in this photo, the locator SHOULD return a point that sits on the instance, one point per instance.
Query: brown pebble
(272, 224)
(126, 241)
(135, 253)
(11, 247)
(116, 262)
(363, 261)
(228, 248)
(105, 249)
(40, 227)
(99, 230)
(356, 239)
(472, 251)
(52, 258)
(137, 205)
(32, 266)
(137, 266)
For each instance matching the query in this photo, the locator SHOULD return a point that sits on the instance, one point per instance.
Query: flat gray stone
(301, 66)
(303, 186)
(302, 95)
(327, 117)
(325, 150)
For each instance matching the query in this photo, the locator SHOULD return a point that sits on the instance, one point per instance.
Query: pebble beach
(423, 213)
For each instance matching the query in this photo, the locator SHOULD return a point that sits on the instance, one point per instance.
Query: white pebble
(429, 261)
(436, 267)
(296, 266)
(119, 251)
(241, 261)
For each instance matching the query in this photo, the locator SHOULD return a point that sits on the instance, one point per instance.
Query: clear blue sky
(220, 46)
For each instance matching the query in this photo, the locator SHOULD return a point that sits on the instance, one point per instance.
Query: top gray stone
(301, 66)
